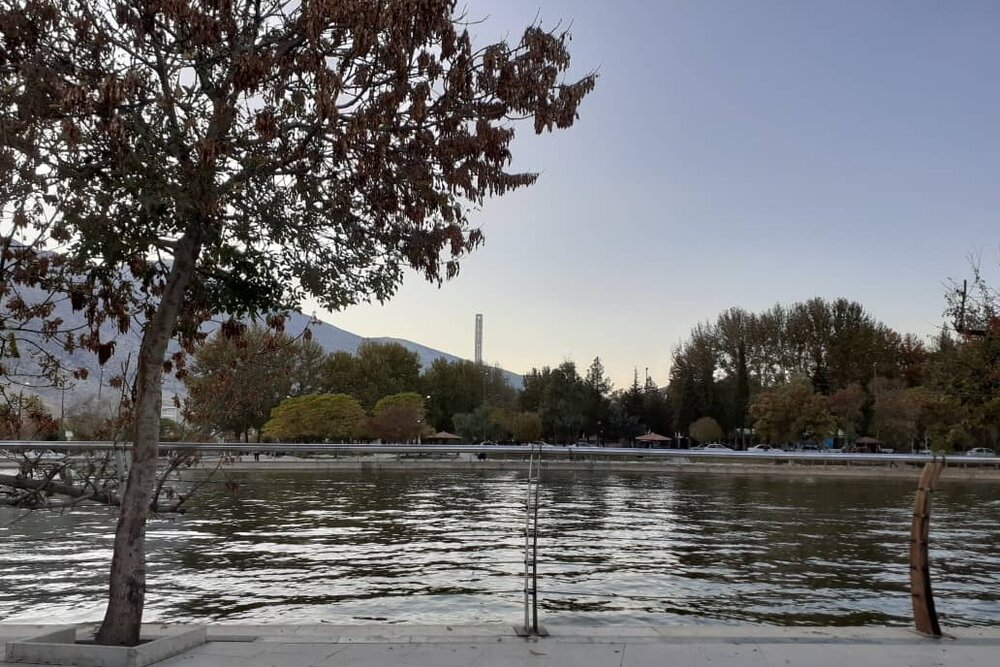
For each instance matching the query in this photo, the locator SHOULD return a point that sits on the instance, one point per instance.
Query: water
(445, 547)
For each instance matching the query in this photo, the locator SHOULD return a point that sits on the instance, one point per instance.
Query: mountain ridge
(330, 337)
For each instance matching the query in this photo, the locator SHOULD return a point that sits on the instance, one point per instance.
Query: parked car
(764, 448)
(716, 447)
(980, 451)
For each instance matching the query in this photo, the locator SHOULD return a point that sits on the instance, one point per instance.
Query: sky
(736, 153)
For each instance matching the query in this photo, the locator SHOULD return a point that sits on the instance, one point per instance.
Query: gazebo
(867, 444)
(652, 439)
(442, 438)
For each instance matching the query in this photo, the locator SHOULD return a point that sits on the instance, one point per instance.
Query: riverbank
(388, 462)
(496, 645)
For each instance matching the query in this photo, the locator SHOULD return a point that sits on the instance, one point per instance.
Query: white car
(765, 448)
(980, 451)
(716, 447)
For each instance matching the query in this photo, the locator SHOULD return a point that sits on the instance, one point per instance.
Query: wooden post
(924, 614)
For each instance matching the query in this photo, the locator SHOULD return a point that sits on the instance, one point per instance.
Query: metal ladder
(531, 628)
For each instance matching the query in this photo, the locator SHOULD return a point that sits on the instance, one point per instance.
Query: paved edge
(414, 634)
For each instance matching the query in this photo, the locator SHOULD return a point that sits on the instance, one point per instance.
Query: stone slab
(59, 647)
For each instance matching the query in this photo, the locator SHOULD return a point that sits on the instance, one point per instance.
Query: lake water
(445, 547)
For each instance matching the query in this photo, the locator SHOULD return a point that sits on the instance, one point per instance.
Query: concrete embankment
(496, 645)
(389, 462)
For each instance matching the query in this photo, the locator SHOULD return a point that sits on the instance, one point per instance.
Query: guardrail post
(924, 613)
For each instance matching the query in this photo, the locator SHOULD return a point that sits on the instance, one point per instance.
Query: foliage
(316, 417)
(453, 388)
(705, 429)
(525, 427)
(376, 370)
(847, 407)
(197, 157)
(965, 374)
(895, 412)
(483, 423)
(399, 417)
(562, 404)
(236, 380)
(25, 417)
(596, 398)
(170, 431)
(790, 412)
(724, 365)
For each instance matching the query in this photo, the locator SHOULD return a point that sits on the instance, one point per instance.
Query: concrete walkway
(326, 645)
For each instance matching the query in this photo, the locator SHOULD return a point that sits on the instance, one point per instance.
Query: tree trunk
(127, 584)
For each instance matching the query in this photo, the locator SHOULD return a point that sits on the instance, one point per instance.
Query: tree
(895, 413)
(382, 369)
(563, 403)
(198, 157)
(316, 417)
(339, 373)
(596, 404)
(481, 424)
(533, 391)
(91, 419)
(25, 417)
(790, 412)
(526, 427)
(236, 380)
(847, 405)
(452, 388)
(399, 417)
(705, 429)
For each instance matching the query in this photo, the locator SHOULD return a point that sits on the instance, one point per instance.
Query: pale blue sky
(736, 153)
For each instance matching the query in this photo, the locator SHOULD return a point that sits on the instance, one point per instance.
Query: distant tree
(895, 413)
(563, 404)
(526, 427)
(399, 417)
(847, 407)
(656, 412)
(497, 392)
(237, 378)
(966, 370)
(25, 417)
(91, 419)
(693, 388)
(631, 399)
(705, 429)
(791, 412)
(453, 388)
(170, 430)
(316, 417)
(596, 403)
(195, 157)
(621, 426)
(533, 392)
(339, 373)
(481, 424)
(383, 369)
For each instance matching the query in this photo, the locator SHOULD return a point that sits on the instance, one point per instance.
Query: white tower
(479, 338)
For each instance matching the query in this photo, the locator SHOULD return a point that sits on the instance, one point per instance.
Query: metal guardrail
(545, 451)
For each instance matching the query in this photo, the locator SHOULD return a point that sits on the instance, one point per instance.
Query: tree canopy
(317, 417)
(235, 381)
(195, 157)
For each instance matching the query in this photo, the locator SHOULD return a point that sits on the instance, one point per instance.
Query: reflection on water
(445, 547)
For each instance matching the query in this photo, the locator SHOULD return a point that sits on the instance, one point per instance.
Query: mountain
(126, 352)
(333, 338)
